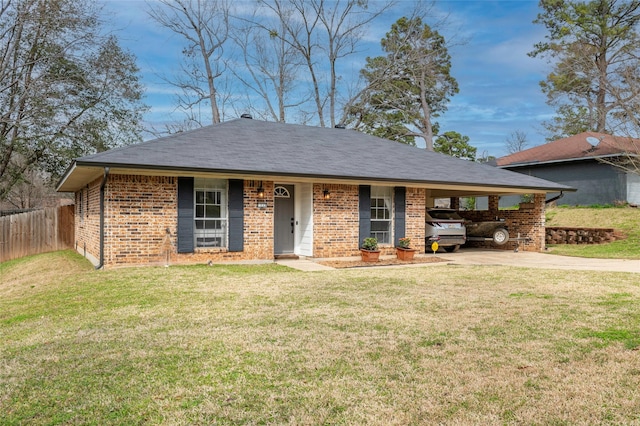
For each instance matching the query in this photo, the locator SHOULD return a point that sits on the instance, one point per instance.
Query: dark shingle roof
(574, 147)
(248, 147)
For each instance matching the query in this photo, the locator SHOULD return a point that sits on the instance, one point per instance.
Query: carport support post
(539, 232)
(494, 204)
(454, 203)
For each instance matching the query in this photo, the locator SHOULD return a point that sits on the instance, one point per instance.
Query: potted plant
(404, 250)
(526, 201)
(369, 250)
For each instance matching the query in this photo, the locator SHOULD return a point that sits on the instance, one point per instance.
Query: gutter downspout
(557, 197)
(102, 186)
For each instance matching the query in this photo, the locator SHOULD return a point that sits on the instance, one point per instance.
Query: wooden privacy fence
(36, 232)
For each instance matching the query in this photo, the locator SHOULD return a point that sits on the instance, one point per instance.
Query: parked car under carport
(450, 230)
(446, 227)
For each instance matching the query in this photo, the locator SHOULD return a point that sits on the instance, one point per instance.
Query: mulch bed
(381, 262)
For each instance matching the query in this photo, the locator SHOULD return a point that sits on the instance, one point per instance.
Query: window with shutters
(210, 213)
(381, 207)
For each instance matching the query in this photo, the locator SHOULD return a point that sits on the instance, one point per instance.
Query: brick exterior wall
(87, 220)
(141, 222)
(257, 231)
(138, 212)
(258, 223)
(140, 219)
(335, 221)
(529, 222)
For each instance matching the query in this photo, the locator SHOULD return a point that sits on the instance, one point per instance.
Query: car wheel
(500, 236)
(452, 249)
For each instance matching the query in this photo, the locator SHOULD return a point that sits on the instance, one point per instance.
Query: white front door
(304, 219)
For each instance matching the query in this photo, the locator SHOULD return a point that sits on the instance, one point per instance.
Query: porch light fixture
(260, 191)
(326, 194)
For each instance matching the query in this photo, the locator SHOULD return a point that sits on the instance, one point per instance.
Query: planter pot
(524, 206)
(405, 253)
(370, 255)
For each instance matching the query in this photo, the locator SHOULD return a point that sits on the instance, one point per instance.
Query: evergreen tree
(595, 49)
(455, 145)
(408, 87)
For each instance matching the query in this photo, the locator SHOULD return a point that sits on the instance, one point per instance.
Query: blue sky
(499, 83)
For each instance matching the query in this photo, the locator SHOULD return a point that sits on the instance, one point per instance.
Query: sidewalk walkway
(497, 257)
(303, 264)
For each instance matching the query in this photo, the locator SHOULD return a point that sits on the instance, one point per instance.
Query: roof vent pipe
(246, 116)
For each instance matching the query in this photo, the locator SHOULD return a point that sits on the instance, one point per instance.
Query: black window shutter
(364, 197)
(400, 197)
(236, 215)
(185, 215)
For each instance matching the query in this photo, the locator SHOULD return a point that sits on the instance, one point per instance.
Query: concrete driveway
(499, 257)
(538, 260)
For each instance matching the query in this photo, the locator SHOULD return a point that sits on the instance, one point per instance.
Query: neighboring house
(254, 190)
(576, 161)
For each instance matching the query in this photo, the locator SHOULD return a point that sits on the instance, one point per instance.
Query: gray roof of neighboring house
(246, 147)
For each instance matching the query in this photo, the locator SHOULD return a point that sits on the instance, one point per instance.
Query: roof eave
(66, 175)
(563, 160)
(363, 179)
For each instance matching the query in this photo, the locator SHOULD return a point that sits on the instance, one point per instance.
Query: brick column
(454, 202)
(494, 203)
(539, 219)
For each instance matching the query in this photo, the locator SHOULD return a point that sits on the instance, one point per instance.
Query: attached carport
(526, 222)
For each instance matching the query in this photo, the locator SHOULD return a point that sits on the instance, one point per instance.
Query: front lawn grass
(268, 345)
(624, 219)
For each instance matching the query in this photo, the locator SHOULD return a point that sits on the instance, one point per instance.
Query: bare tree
(486, 158)
(324, 32)
(628, 159)
(204, 25)
(271, 65)
(516, 141)
(30, 191)
(628, 127)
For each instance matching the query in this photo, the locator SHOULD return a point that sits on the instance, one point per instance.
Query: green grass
(630, 338)
(624, 219)
(268, 345)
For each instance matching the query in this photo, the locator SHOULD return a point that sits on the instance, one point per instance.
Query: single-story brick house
(577, 161)
(254, 190)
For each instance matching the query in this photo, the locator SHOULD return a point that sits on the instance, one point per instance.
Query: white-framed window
(381, 208)
(210, 212)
